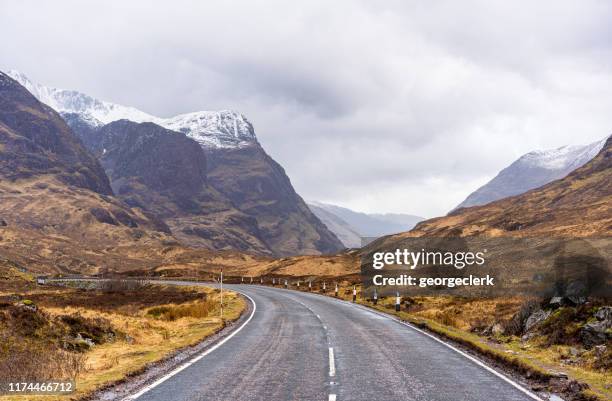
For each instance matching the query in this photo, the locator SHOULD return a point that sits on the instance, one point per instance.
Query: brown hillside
(578, 205)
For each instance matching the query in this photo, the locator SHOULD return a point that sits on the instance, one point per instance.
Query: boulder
(600, 350)
(497, 329)
(596, 333)
(604, 314)
(536, 318)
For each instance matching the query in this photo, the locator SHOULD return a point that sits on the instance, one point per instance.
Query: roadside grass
(146, 337)
(454, 318)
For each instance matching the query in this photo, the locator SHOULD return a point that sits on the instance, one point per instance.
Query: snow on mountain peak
(563, 158)
(223, 128)
(211, 129)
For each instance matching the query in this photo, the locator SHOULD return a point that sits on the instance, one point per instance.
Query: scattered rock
(27, 304)
(497, 329)
(536, 318)
(88, 341)
(528, 336)
(600, 350)
(556, 302)
(604, 313)
(575, 352)
(596, 333)
(576, 387)
(3, 223)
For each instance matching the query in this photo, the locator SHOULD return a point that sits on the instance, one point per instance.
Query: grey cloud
(382, 106)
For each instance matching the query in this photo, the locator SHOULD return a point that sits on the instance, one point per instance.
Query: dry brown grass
(186, 316)
(456, 318)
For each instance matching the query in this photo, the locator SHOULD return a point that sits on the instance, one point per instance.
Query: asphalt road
(301, 346)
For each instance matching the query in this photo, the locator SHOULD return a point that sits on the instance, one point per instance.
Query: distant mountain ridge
(533, 170)
(577, 205)
(244, 201)
(351, 226)
(215, 129)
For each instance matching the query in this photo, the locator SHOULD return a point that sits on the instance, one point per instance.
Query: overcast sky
(389, 106)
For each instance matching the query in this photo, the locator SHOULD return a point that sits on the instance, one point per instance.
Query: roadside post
(310, 286)
(242, 279)
(398, 301)
(221, 286)
(336, 291)
(261, 280)
(298, 284)
(375, 297)
(286, 283)
(354, 293)
(273, 281)
(251, 280)
(324, 287)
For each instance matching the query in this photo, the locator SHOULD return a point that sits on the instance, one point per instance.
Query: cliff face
(164, 173)
(233, 199)
(259, 187)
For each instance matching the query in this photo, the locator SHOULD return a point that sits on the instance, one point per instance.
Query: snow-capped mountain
(211, 129)
(533, 170)
(229, 195)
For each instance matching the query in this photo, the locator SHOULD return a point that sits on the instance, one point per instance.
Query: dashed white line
(332, 397)
(332, 364)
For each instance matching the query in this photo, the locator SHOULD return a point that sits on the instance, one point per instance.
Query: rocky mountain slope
(350, 226)
(37, 142)
(343, 230)
(165, 173)
(261, 209)
(577, 205)
(533, 170)
(56, 200)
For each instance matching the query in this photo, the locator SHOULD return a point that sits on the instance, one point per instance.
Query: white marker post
(251, 280)
(298, 284)
(221, 286)
(375, 296)
(286, 283)
(398, 301)
(354, 293)
(273, 281)
(310, 286)
(336, 290)
(261, 280)
(324, 286)
(242, 279)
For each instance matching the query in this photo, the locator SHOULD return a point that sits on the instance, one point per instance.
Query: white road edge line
(332, 397)
(471, 358)
(194, 360)
(332, 364)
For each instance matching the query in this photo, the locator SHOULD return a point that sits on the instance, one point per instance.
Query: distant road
(301, 346)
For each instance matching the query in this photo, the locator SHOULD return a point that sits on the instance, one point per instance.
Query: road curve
(301, 346)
